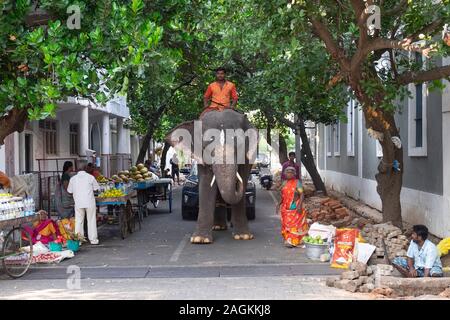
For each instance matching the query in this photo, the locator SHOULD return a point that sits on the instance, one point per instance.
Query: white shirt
(425, 257)
(82, 186)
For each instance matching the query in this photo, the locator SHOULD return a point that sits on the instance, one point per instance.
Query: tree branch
(424, 76)
(336, 52)
(407, 44)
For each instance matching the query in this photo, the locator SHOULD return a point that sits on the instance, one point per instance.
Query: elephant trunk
(229, 183)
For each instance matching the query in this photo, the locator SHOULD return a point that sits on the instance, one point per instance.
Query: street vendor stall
(153, 191)
(17, 244)
(120, 210)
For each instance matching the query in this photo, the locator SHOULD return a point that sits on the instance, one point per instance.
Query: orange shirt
(221, 95)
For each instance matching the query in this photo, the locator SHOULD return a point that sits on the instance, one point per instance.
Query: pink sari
(44, 231)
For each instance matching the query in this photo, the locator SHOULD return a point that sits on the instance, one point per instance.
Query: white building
(79, 125)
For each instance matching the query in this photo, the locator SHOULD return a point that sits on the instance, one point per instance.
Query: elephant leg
(240, 222)
(238, 214)
(207, 204)
(220, 219)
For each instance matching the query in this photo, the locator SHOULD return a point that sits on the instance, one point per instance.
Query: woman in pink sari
(293, 216)
(44, 229)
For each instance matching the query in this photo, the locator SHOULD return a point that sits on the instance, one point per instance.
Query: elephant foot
(243, 236)
(195, 239)
(219, 227)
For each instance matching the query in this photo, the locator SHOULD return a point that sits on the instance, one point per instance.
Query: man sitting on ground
(422, 256)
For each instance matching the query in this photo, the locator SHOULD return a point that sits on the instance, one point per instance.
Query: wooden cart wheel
(16, 261)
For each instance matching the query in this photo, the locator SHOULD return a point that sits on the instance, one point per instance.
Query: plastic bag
(444, 246)
(325, 232)
(344, 246)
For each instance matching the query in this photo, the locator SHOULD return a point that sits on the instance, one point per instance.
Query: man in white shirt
(422, 256)
(82, 186)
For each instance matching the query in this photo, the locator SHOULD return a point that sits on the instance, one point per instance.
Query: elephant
(224, 145)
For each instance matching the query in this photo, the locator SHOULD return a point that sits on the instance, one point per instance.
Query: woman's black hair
(221, 69)
(67, 165)
(421, 231)
(292, 153)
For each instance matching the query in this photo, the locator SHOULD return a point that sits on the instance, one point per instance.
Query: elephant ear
(183, 137)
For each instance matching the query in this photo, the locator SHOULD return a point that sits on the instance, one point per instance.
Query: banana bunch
(5, 195)
(112, 193)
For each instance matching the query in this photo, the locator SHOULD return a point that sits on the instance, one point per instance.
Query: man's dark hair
(421, 231)
(292, 153)
(221, 69)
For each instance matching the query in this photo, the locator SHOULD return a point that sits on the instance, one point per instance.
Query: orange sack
(344, 245)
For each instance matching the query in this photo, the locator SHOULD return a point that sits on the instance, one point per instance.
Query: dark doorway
(28, 153)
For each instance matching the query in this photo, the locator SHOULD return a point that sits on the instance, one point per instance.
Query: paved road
(164, 241)
(159, 262)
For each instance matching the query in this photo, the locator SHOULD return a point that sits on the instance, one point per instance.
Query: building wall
(344, 163)
(423, 198)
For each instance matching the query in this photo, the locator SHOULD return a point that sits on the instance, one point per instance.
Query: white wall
(418, 207)
(446, 144)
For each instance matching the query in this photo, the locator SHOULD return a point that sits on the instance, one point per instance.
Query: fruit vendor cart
(17, 246)
(153, 191)
(120, 212)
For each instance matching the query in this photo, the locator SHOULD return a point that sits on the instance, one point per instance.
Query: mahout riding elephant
(224, 144)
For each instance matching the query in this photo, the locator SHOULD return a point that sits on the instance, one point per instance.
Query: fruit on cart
(311, 240)
(112, 193)
(140, 166)
(6, 195)
(138, 176)
(102, 179)
(143, 171)
(133, 169)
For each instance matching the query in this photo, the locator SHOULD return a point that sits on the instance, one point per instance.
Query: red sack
(344, 245)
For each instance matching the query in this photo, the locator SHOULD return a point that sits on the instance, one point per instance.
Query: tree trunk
(283, 150)
(14, 121)
(307, 159)
(163, 159)
(144, 146)
(389, 182)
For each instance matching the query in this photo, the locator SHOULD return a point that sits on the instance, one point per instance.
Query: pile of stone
(360, 277)
(330, 211)
(396, 242)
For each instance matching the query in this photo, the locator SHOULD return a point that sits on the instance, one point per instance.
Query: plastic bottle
(33, 206)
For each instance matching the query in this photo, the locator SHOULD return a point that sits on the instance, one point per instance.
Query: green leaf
(137, 6)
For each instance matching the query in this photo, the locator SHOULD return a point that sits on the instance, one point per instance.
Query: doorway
(28, 153)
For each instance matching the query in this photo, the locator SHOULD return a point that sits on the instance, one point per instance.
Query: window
(74, 139)
(337, 138)
(50, 135)
(351, 128)
(417, 118)
(329, 130)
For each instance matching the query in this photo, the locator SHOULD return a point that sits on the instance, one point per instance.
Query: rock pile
(330, 210)
(396, 242)
(359, 277)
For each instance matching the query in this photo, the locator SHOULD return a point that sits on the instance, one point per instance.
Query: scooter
(266, 179)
